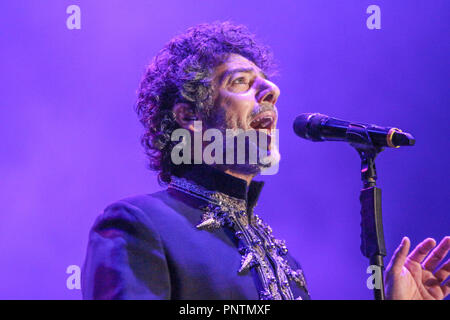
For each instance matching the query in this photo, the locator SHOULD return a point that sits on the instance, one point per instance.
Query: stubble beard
(226, 125)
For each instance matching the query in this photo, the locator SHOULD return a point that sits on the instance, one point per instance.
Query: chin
(250, 169)
(264, 165)
(270, 160)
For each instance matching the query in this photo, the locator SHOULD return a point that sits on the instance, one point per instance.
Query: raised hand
(412, 277)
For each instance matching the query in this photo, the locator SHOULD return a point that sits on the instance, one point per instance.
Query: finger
(437, 255)
(399, 257)
(421, 251)
(443, 272)
(446, 289)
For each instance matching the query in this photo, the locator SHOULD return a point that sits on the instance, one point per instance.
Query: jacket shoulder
(125, 258)
(153, 201)
(138, 207)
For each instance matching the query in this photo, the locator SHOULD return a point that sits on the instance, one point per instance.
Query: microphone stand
(372, 236)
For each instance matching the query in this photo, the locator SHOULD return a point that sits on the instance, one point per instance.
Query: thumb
(399, 257)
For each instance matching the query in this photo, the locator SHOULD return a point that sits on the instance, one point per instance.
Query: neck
(243, 176)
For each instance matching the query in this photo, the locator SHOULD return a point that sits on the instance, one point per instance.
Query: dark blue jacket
(148, 247)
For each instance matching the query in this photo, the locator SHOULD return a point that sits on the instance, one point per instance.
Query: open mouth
(264, 121)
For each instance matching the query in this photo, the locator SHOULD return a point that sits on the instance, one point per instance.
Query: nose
(268, 92)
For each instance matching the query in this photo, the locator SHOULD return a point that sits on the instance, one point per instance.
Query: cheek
(238, 106)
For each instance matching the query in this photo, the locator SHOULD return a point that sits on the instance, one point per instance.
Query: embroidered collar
(258, 247)
(214, 179)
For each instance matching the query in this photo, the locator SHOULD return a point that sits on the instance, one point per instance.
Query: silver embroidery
(261, 249)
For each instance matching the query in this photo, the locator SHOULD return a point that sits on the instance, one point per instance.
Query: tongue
(261, 123)
(265, 123)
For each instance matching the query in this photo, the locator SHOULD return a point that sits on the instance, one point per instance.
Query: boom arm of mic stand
(372, 235)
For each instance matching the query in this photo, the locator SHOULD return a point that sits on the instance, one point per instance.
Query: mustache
(262, 108)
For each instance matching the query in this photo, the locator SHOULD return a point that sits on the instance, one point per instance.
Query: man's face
(245, 99)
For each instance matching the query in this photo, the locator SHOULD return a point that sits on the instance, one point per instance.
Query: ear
(185, 116)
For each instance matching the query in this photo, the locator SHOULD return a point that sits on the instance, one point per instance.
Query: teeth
(262, 123)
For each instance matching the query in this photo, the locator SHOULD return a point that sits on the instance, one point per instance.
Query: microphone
(319, 127)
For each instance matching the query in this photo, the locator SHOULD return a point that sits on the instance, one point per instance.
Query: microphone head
(403, 139)
(319, 127)
(306, 126)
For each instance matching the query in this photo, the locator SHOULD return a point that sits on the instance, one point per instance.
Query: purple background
(70, 139)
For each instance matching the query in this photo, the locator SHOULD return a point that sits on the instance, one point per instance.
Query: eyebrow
(230, 72)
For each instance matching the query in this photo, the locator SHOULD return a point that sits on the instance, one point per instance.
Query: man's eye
(240, 80)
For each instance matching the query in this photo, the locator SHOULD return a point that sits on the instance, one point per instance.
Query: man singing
(200, 238)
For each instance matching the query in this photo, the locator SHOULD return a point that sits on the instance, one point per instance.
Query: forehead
(235, 62)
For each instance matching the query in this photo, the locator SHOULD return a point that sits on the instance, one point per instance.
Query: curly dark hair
(182, 72)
